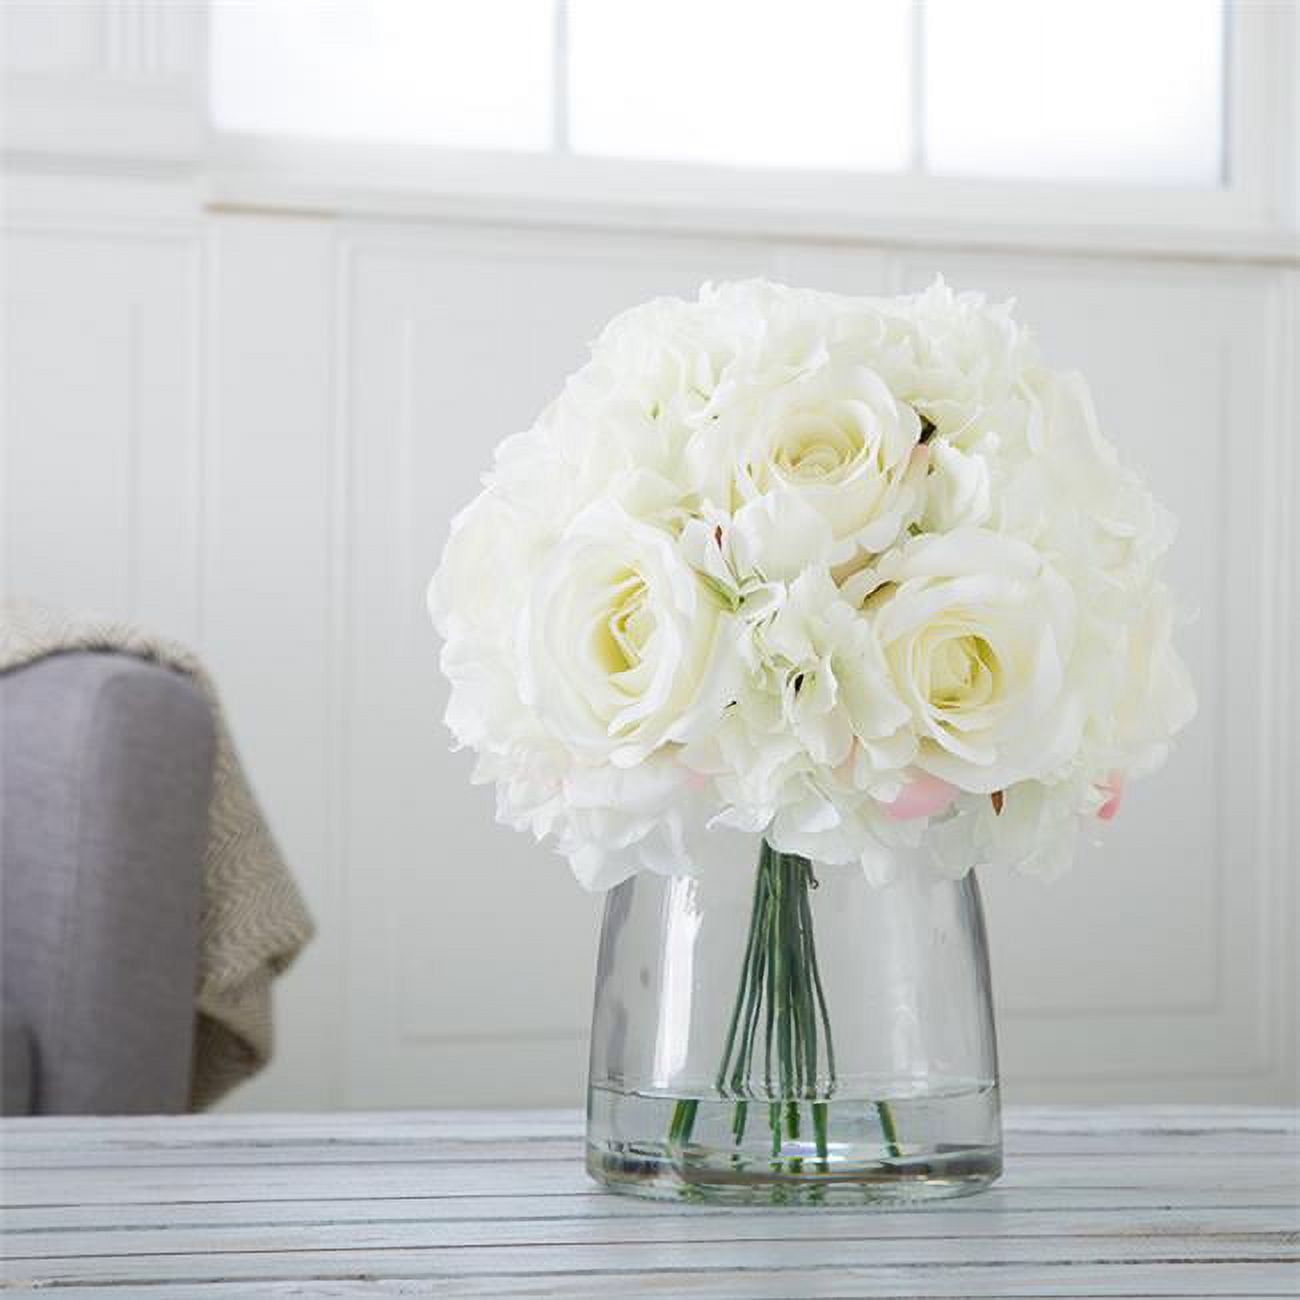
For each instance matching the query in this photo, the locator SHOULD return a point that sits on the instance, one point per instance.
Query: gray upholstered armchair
(105, 779)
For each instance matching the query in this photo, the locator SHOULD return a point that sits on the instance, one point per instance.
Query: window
(1102, 90)
(1061, 90)
(476, 75)
(815, 83)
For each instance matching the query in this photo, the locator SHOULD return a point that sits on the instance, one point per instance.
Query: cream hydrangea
(848, 573)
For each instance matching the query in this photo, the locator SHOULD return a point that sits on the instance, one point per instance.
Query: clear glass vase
(791, 1033)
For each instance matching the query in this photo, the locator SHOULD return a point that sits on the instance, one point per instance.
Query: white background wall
(250, 428)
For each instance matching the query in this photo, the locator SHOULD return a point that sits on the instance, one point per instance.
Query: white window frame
(145, 111)
(1256, 208)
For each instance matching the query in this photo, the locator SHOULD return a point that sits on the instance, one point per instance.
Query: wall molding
(252, 193)
(384, 1049)
(120, 80)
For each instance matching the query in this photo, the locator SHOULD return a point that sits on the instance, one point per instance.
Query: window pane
(785, 83)
(472, 75)
(1063, 89)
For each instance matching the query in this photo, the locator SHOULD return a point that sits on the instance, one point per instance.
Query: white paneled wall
(102, 319)
(254, 431)
(251, 430)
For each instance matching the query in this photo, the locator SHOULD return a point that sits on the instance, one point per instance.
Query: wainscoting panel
(479, 945)
(101, 420)
(253, 431)
(273, 608)
(1161, 925)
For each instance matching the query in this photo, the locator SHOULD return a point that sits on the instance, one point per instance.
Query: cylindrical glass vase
(775, 1031)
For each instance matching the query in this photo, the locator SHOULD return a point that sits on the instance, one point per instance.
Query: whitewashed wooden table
(1167, 1202)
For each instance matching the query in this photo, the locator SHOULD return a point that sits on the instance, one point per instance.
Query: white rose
(839, 440)
(978, 633)
(622, 647)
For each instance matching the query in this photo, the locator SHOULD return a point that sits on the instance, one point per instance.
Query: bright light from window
(819, 83)
(1109, 90)
(474, 75)
(1059, 90)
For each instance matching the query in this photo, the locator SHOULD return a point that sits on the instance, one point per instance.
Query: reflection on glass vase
(793, 1034)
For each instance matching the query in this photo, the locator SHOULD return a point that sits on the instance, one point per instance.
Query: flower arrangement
(853, 574)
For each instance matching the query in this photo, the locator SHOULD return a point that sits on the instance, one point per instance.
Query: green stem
(820, 1117)
(741, 995)
(769, 1016)
(817, 985)
(738, 1121)
(888, 1128)
(781, 992)
(754, 994)
(682, 1122)
(802, 927)
(780, 985)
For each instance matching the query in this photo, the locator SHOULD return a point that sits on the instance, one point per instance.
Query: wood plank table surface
(1151, 1202)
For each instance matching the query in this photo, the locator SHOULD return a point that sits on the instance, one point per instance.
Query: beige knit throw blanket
(254, 921)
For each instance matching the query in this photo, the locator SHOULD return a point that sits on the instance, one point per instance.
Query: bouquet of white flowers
(856, 575)
(851, 573)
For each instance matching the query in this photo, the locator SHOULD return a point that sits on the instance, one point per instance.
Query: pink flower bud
(1113, 786)
(922, 797)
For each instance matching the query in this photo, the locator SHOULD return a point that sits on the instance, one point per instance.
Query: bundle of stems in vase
(782, 1001)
